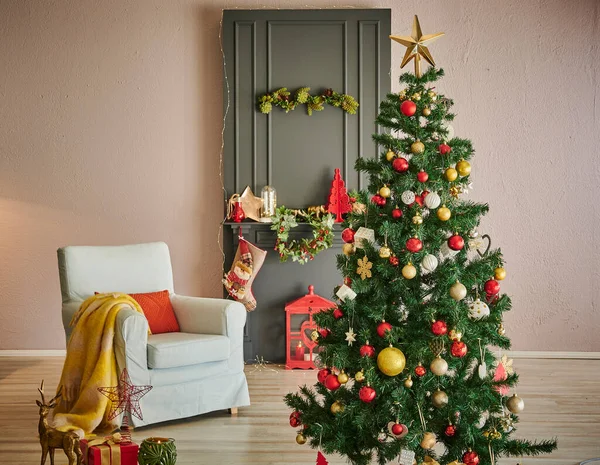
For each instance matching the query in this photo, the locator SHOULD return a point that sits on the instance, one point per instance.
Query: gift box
(107, 452)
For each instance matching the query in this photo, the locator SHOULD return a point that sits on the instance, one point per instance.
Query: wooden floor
(561, 401)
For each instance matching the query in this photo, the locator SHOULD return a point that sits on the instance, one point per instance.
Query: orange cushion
(158, 311)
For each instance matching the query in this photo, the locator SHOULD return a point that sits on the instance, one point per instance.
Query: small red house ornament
(299, 328)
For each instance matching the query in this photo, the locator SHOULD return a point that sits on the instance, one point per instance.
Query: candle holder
(157, 451)
(269, 198)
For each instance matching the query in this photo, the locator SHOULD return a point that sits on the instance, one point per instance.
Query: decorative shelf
(262, 235)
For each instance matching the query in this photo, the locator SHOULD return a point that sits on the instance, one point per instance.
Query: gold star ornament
(251, 204)
(416, 46)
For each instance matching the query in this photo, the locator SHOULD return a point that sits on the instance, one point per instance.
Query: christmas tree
(410, 357)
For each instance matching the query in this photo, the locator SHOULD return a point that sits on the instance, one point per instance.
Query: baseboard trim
(33, 353)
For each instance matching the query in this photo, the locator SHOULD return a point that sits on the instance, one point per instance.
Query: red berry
(337, 314)
(414, 245)
(439, 328)
(400, 165)
(450, 431)
(458, 349)
(322, 374)
(367, 350)
(332, 383)
(420, 370)
(491, 287)
(444, 149)
(378, 200)
(422, 176)
(394, 260)
(396, 213)
(383, 328)
(348, 235)
(408, 108)
(397, 429)
(456, 242)
(367, 394)
(295, 419)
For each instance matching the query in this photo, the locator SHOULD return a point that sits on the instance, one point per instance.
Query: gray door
(345, 50)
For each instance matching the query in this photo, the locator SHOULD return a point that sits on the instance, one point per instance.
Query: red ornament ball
(394, 260)
(470, 458)
(367, 350)
(348, 235)
(458, 349)
(491, 287)
(383, 328)
(444, 149)
(400, 165)
(397, 429)
(323, 374)
(439, 328)
(324, 332)
(396, 213)
(295, 419)
(337, 314)
(348, 281)
(420, 370)
(414, 245)
(456, 242)
(378, 200)
(331, 382)
(367, 394)
(422, 176)
(408, 108)
(450, 430)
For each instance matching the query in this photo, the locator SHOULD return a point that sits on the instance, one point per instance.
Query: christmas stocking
(247, 263)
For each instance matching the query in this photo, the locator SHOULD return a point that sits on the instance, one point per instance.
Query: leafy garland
(282, 98)
(305, 249)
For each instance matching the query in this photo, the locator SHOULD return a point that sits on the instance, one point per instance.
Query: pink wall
(110, 119)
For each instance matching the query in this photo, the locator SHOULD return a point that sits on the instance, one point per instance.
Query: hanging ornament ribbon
(321, 460)
(482, 366)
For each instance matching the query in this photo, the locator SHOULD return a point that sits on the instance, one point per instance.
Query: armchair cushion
(158, 311)
(171, 350)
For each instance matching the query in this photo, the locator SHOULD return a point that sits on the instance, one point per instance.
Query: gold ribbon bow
(428, 460)
(456, 462)
(109, 454)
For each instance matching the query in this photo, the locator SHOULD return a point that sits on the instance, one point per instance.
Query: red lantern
(439, 328)
(237, 213)
(491, 287)
(367, 394)
(456, 242)
(458, 349)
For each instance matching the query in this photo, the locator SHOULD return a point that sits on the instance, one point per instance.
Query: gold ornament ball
(501, 330)
(409, 271)
(515, 404)
(463, 167)
(426, 111)
(314, 335)
(390, 155)
(300, 439)
(391, 361)
(343, 378)
(439, 366)
(348, 249)
(458, 291)
(416, 96)
(417, 147)
(385, 252)
(454, 334)
(337, 407)
(450, 174)
(359, 376)
(417, 219)
(408, 382)
(432, 95)
(385, 192)
(499, 273)
(428, 441)
(444, 213)
(439, 399)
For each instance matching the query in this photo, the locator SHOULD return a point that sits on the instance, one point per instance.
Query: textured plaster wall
(110, 120)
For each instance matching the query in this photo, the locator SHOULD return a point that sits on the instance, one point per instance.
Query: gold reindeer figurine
(51, 438)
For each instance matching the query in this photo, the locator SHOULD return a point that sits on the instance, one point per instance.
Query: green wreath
(304, 250)
(282, 98)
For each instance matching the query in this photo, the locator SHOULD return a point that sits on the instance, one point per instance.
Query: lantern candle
(299, 351)
(269, 198)
(157, 451)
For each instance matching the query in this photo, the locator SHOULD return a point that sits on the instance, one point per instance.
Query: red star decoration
(125, 397)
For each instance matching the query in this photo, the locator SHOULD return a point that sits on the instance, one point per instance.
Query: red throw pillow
(158, 311)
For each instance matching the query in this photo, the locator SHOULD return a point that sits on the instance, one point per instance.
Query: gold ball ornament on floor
(439, 366)
(426, 111)
(359, 376)
(458, 291)
(391, 361)
(300, 439)
(409, 271)
(336, 407)
(428, 441)
(451, 174)
(417, 147)
(408, 382)
(463, 167)
(499, 273)
(385, 252)
(385, 192)
(443, 213)
(390, 155)
(515, 404)
(343, 377)
(439, 399)
(348, 249)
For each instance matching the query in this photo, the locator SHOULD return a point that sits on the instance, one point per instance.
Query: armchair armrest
(201, 315)
(131, 340)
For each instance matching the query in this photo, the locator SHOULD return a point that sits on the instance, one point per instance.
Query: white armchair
(198, 370)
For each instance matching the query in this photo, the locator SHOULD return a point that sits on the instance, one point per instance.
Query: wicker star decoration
(364, 268)
(125, 397)
(350, 336)
(251, 204)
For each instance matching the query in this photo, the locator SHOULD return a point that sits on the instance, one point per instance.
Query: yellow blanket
(90, 363)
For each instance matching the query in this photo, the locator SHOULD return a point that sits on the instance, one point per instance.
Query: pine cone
(328, 93)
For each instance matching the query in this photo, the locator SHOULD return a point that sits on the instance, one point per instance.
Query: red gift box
(109, 453)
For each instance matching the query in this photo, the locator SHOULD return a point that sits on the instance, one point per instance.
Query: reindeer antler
(41, 389)
(56, 397)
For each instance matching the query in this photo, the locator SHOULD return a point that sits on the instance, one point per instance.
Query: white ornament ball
(408, 197)
(432, 200)
(478, 310)
(482, 420)
(429, 263)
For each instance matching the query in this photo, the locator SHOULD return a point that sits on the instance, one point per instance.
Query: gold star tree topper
(416, 46)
